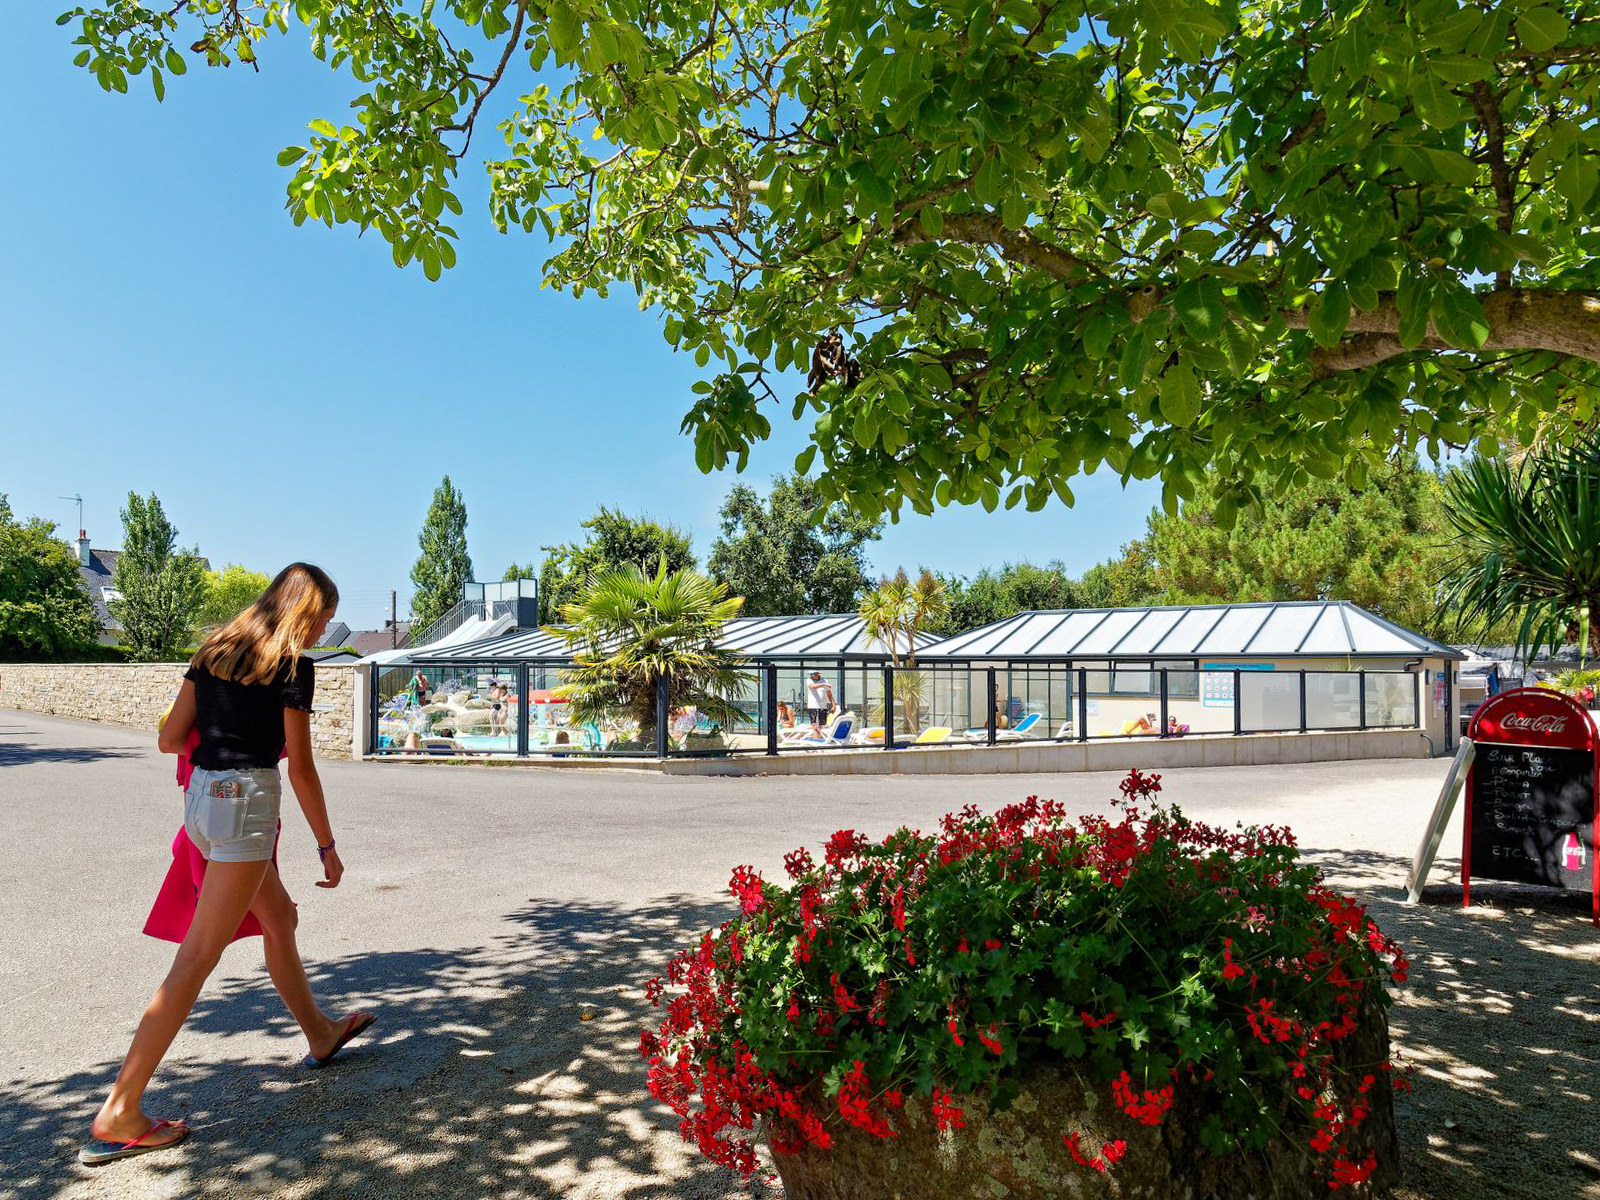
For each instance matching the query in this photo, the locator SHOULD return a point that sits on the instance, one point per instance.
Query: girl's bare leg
(225, 897)
(276, 912)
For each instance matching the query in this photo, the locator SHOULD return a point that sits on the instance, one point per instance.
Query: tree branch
(1519, 319)
(981, 229)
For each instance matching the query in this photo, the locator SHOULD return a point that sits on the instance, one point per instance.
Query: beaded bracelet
(322, 851)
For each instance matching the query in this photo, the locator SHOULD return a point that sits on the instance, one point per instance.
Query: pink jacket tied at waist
(173, 910)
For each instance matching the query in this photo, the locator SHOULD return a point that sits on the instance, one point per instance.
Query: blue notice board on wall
(1216, 682)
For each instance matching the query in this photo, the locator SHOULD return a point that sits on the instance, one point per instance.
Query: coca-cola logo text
(1549, 723)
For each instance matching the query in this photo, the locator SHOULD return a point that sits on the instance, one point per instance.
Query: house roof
(336, 634)
(332, 654)
(96, 579)
(835, 635)
(370, 641)
(1291, 629)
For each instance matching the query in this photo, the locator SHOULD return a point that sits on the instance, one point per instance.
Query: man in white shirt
(819, 701)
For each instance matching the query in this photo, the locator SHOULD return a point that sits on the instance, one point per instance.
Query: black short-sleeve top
(241, 724)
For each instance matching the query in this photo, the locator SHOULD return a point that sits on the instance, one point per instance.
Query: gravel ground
(502, 921)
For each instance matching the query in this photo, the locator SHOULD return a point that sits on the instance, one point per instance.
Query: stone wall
(136, 694)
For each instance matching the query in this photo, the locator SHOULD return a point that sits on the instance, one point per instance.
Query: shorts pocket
(222, 818)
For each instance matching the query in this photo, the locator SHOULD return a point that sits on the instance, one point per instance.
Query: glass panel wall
(1391, 699)
(480, 709)
(1333, 700)
(1269, 701)
(1189, 710)
(448, 710)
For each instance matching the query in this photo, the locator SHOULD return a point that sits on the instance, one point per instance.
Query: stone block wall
(136, 694)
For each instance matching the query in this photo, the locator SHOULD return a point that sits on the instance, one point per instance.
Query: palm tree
(896, 613)
(629, 629)
(1529, 544)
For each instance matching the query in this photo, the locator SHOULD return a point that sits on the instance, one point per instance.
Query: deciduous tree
(161, 588)
(994, 595)
(613, 540)
(1012, 240)
(444, 567)
(784, 557)
(45, 613)
(229, 592)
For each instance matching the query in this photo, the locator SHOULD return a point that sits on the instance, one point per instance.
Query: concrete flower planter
(1019, 1154)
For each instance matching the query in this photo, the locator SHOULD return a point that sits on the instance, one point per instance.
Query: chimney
(84, 558)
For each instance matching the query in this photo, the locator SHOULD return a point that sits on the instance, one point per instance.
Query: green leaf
(1576, 181)
(1199, 306)
(1434, 102)
(1412, 300)
(1180, 396)
(803, 460)
(566, 30)
(1541, 29)
(1330, 314)
(1459, 317)
(290, 155)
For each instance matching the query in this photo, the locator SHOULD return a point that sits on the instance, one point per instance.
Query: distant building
(95, 568)
(370, 641)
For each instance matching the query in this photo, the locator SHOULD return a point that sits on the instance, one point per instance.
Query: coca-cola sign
(1533, 717)
(1548, 723)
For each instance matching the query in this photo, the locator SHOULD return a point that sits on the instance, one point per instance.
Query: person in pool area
(248, 694)
(819, 701)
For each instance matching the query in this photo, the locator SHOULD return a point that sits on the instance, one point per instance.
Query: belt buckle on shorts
(225, 789)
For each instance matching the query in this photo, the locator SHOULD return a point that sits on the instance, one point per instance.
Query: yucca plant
(896, 612)
(1528, 545)
(629, 629)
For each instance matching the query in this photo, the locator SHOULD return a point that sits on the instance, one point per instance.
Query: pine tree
(444, 566)
(160, 587)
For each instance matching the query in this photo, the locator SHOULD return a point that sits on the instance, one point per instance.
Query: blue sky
(289, 394)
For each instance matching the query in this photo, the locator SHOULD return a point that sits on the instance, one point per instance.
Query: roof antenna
(79, 501)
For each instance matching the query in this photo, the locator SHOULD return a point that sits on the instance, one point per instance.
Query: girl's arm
(174, 734)
(308, 790)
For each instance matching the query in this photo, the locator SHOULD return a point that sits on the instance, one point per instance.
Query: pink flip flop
(99, 1150)
(359, 1023)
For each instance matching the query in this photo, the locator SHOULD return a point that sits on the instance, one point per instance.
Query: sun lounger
(1023, 729)
(837, 734)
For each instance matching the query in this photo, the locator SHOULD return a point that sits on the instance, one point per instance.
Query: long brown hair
(255, 645)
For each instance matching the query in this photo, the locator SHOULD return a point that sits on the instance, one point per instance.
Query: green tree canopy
(444, 566)
(629, 629)
(786, 559)
(993, 595)
(519, 571)
(161, 587)
(1126, 581)
(1383, 547)
(229, 592)
(1274, 238)
(45, 613)
(613, 540)
(1526, 545)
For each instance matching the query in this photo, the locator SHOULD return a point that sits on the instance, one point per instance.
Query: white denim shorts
(232, 816)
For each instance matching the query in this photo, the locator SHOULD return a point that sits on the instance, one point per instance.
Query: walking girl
(247, 694)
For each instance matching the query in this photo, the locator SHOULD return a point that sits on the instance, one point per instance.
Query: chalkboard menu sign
(1531, 794)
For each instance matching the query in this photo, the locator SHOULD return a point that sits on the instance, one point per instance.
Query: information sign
(1532, 794)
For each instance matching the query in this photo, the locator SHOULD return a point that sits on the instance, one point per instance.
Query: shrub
(1149, 951)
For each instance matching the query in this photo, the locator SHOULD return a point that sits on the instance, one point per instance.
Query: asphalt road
(501, 920)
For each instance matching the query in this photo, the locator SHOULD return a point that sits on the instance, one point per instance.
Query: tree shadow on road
(511, 1070)
(23, 754)
(1500, 1021)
